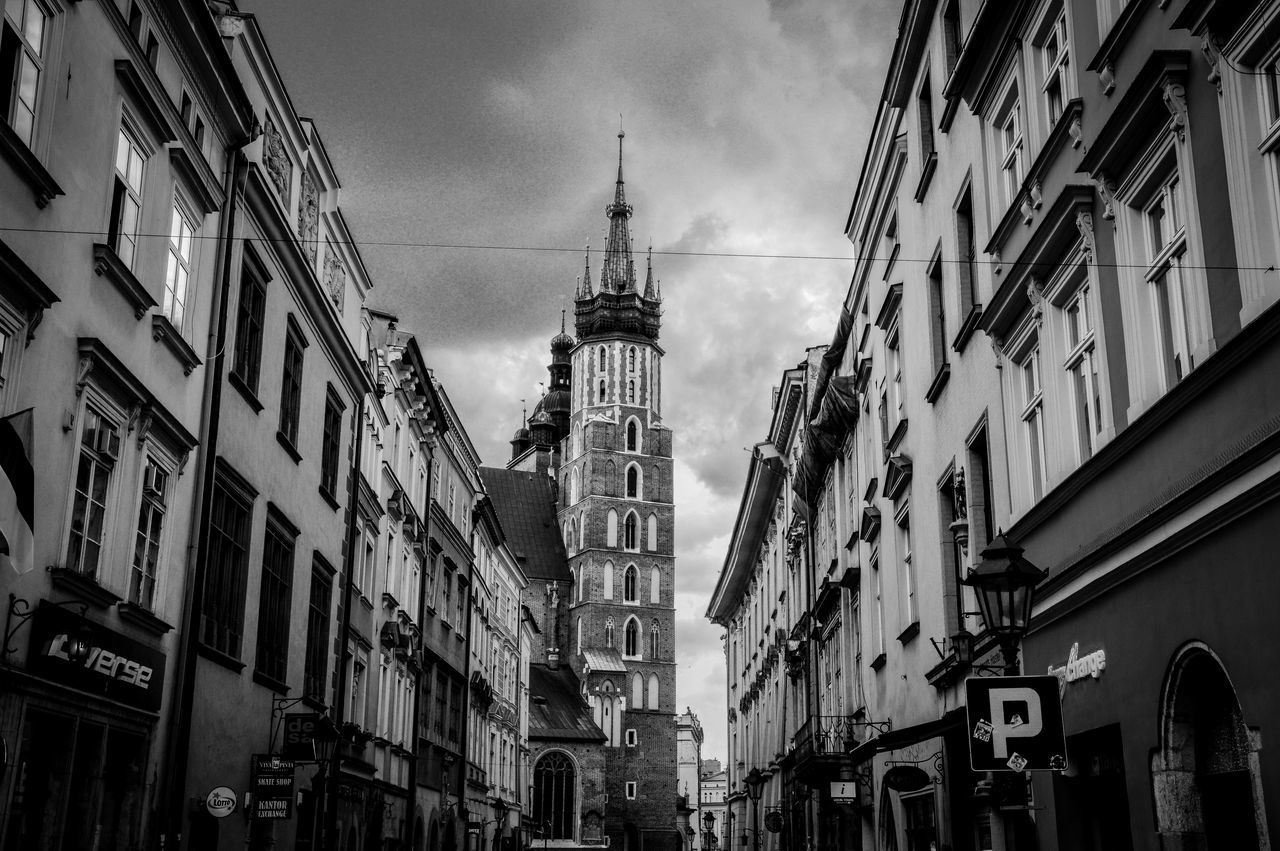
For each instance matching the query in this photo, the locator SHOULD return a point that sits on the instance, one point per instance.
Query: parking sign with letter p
(1015, 724)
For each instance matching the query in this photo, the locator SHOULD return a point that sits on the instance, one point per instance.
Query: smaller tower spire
(585, 290)
(649, 291)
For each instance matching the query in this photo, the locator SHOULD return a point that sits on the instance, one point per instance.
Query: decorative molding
(1084, 223)
(1035, 295)
(1076, 131)
(162, 331)
(24, 287)
(1212, 51)
(1175, 99)
(107, 264)
(1107, 191)
(1107, 79)
(28, 166)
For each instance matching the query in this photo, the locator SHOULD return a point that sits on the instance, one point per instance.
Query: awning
(908, 736)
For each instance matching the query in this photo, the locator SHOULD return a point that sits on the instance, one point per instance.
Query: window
(291, 385)
(275, 597)
(330, 445)
(1008, 144)
(651, 698)
(317, 662)
(22, 61)
(924, 111)
(919, 822)
(629, 584)
(631, 392)
(249, 319)
(1166, 248)
(653, 532)
(637, 690)
(442, 704)
(631, 640)
(655, 640)
(898, 398)
(1082, 367)
(607, 591)
(1033, 420)
(877, 590)
(629, 532)
(126, 197)
(631, 359)
(99, 448)
(222, 615)
(1055, 59)
(952, 36)
(632, 738)
(633, 436)
(966, 243)
(608, 633)
(178, 272)
(554, 789)
(937, 314)
(600, 395)
(455, 711)
(633, 481)
(631, 790)
(910, 601)
(655, 585)
(146, 549)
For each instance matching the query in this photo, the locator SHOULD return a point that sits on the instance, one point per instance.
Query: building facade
(688, 769)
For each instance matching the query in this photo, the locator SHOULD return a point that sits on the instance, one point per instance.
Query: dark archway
(1205, 774)
(554, 795)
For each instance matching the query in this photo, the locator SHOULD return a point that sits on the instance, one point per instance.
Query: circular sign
(221, 802)
(773, 822)
(906, 778)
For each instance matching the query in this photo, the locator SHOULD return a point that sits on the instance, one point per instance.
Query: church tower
(617, 516)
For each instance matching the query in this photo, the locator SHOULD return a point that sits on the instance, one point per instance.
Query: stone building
(594, 463)
(689, 770)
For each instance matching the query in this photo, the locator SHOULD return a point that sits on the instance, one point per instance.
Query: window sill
(948, 113)
(85, 587)
(912, 630)
(878, 662)
(329, 498)
(895, 439)
(234, 379)
(938, 384)
(162, 331)
(226, 660)
(270, 682)
(142, 618)
(314, 702)
(364, 601)
(288, 447)
(967, 327)
(107, 264)
(926, 176)
(28, 166)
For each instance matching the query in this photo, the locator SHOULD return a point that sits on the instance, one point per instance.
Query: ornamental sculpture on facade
(276, 160)
(308, 216)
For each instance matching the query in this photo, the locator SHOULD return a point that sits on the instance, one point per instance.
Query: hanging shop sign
(117, 667)
(1078, 667)
(907, 778)
(1015, 724)
(272, 779)
(773, 821)
(220, 802)
(844, 791)
(300, 732)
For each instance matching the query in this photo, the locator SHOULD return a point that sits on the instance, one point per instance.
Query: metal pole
(755, 824)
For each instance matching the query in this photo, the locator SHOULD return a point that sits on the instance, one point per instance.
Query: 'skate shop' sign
(117, 667)
(1078, 667)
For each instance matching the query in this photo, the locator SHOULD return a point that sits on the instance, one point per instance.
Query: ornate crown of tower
(619, 306)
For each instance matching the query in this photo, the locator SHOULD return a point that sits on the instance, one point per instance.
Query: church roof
(526, 509)
(604, 660)
(556, 707)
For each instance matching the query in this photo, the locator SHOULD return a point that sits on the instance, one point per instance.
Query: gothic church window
(653, 692)
(637, 691)
(629, 584)
(655, 585)
(553, 795)
(608, 632)
(633, 482)
(633, 436)
(631, 639)
(653, 532)
(608, 580)
(631, 392)
(600, 395)
(655, 638)
(611, 529)
(631, 359)
(630, 541)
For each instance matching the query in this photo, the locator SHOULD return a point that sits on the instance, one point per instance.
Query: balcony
(822, 746)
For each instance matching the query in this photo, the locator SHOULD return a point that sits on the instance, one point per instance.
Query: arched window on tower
(572, 538)
(579, 636)
(629, 537)
(629, 584)
(653, 692)
(655, 585)
(633, 482)
(611, 529)
(600, 396)
(553, 795)
(653, 533)
(633, 436)
(608, 632)
(637, 691)
(631, 646)
(602, 359)
(655, 636)
(575, 485)
(583, 573)
(631, 392)
(631, 359)
(582, 531)
(607, 589)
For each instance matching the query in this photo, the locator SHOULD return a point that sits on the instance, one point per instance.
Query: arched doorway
(416, 844)
(1205, 774)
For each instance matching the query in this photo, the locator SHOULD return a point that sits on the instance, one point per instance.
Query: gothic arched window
(631, 638)
(579, 634)
(637, 691)
(629, 584)
(608, 632)
(653, 532)
(607, 590)
(600, 397)
(655, 637)
(631, 359)
(655, 585)
(553, 795)
(629, 532)
(611, 529)
(633, 482)
(601, 359)
(633, 436)
(653, 692)
(631, 392)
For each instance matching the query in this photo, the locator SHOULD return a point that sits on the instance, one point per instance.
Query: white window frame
(1031, 416)
(33, 56)
(133, 151)
(180, 262)
(1009, 145)
(910, 597)
(1054, 68)
(1081, 366)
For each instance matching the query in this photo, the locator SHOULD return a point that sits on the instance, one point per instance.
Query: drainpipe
(184, 682)
(329, 840)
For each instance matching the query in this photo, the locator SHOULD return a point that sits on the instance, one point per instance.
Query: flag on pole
(17, 492)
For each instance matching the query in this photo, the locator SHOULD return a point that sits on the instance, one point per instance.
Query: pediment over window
(870, 523)
(897, 475)
(1138, 115)
(889, 307)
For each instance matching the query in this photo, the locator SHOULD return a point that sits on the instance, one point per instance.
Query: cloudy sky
(492, 123)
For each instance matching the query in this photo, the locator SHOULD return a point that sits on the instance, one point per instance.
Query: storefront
(1168, 683)
(78, 734)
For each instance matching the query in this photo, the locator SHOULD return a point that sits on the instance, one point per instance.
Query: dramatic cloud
(492, 124)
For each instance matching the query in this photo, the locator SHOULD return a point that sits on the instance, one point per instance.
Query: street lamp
(755, 785)
(1005, 582)
(688, 834)
(500, 818)
(709, 827)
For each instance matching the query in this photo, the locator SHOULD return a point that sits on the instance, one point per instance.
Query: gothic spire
(618, 273)
(649, 291)
(585, 290)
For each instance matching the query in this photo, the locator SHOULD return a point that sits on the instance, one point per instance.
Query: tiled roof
(604, 660)
(526, 509)
(556, 707)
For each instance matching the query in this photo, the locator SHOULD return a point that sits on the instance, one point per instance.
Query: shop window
(920, 822)
(1091, 797)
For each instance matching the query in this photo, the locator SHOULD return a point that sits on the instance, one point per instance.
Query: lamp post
(688, 835)
(1005, 582)
(755, 781)
(500, 817)
(709, 828)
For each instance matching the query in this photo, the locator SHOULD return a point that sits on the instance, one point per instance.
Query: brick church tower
(617, 516)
